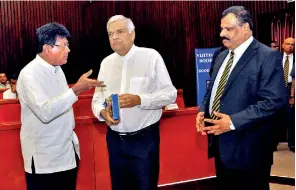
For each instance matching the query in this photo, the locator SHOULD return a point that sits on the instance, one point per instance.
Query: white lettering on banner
(205, 60)
(203, 70)
(205, 55)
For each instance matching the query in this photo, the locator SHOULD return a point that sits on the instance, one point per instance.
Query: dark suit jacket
(292, 74)
(253, 94)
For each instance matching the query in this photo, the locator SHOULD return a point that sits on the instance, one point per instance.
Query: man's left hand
(292, 101)
(219, 126)
(129, 100)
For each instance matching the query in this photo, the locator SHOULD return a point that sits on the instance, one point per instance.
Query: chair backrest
(180, 99)
(2, 90)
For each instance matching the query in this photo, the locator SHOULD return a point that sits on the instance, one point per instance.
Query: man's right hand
(85, 83)
(200, 124)
(107, 116)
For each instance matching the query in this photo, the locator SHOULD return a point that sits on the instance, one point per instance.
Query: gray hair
(128, 22)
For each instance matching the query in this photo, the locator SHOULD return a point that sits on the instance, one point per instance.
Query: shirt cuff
(232, 126)
(72, 95)
(145, 102)
(100, 118)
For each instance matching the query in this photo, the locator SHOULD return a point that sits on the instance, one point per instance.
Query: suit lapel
(219, 60)
(242, 62)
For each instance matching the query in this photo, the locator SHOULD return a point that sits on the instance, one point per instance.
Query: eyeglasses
(62, 46)
(289, 44)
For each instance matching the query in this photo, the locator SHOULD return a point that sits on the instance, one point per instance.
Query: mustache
(224, 38)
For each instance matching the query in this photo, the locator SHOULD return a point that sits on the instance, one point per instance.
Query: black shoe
(292, 149)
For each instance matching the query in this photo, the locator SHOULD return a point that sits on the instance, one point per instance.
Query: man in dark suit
(292, 105)
(292, 92)
(245, 92)
(287, 120)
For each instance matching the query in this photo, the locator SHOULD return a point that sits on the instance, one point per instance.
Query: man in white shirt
(11, 92)
(47, 137)
(141, 79)
(3, 81)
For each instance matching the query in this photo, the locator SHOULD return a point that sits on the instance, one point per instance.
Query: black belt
(148, 128)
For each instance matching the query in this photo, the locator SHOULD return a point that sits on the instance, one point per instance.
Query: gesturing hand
(84, 83)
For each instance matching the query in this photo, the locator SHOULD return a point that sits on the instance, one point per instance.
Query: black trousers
(291, 128)
(286, 120)
(256, 178)
(134, 159)
(64, 180)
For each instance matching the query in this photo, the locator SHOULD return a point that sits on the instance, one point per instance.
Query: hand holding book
(129, 100)
(111, 113)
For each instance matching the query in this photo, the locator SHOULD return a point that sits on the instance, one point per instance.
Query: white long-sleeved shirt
(47, 118)
(290, 64)
(141, 72)
(8, 94)
(238, 52)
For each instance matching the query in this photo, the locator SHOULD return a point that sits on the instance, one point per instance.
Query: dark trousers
(134, 159)
(242, 179)
(291, 127)
(64, 180)
(286, 120)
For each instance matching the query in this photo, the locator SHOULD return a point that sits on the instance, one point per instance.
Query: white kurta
(47, 118)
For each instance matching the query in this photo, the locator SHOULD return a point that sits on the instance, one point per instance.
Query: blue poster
(203, 59)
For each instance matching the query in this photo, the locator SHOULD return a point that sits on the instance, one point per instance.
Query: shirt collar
(6, 83)
(45, 64)
(129, 54)
(242, 48)
(290, 55)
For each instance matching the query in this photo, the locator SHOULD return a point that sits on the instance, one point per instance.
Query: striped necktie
(220, 89)
(286, 70)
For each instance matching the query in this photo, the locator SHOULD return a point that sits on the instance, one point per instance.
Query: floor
(281, 187)
(283, 170)
(284, 166)
(284, 161)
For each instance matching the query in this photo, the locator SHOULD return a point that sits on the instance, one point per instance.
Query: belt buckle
(122, 135)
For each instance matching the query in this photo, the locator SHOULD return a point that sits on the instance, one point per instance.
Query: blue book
(115, 107)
